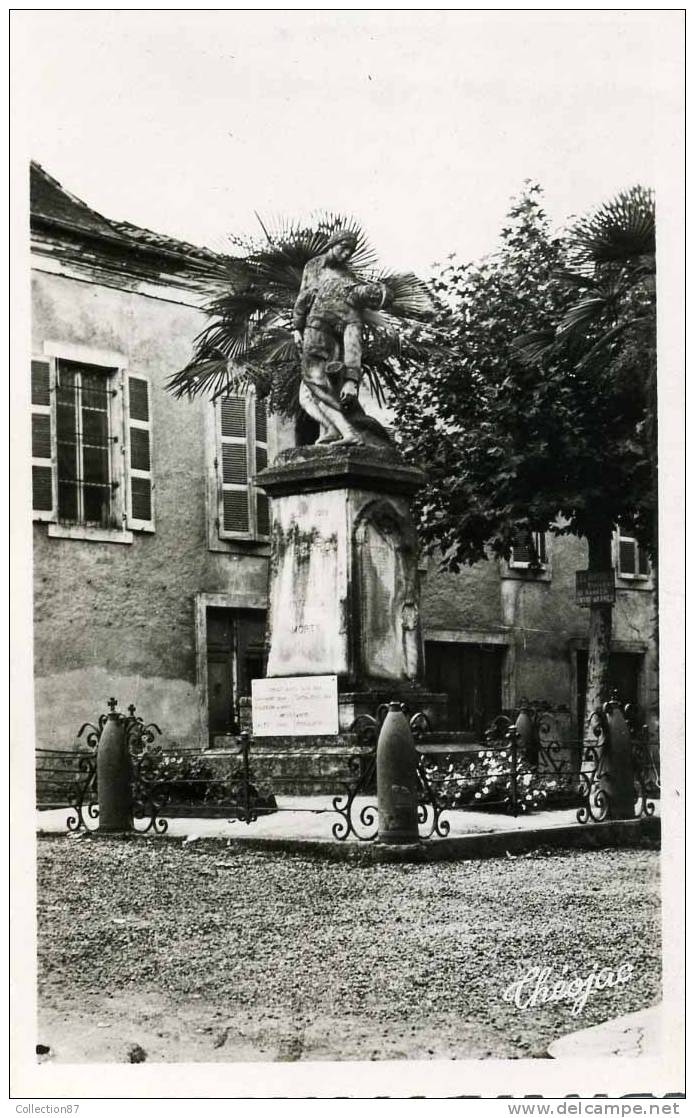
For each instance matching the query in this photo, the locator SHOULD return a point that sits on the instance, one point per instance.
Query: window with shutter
(529, 550)
(632, 559)
(72, 444)
(138, 410)
(91, 448)
(242, 451)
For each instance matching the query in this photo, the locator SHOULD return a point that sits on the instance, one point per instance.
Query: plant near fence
(187, 778)
(487, 783)
(177, 782)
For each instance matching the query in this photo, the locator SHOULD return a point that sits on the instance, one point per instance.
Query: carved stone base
(344, 590)
(351, 704)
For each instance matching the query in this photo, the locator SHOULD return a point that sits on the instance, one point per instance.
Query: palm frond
(534, 346)
(222, 339)
(240, 303)
(207, 378)
(574, 279)
(315, 236)
(408, 296)
(583, 313)
(273, 347)
(621, 230)
(607, 338)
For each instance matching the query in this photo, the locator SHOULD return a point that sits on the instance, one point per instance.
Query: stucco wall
(538, 622)
(118, 618)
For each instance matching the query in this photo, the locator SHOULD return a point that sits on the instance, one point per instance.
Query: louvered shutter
(626, 556)
(43, 472)
(139, 477)
(232, 467)
(261, 461)
(632, 559)
(528, 550)
(242, 451)
(522, 551)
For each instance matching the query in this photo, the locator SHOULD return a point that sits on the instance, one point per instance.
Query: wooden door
(471, 677)
(220, 656)
(235, 656)
(624, 675)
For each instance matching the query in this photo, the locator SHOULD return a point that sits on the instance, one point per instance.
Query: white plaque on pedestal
(294, 705)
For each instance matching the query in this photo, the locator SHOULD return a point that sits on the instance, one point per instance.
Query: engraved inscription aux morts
(295, 706)
(309, 586)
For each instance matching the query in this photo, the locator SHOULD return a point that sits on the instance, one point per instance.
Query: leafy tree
(610, 329)
(527, 414)
(250, 299)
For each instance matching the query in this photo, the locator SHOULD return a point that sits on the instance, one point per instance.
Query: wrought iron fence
(520, 773)
(68, 779)
(511, 771)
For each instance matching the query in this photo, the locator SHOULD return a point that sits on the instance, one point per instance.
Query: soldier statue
(328, 324)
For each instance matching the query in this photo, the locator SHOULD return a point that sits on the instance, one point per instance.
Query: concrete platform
(635, 1034)
(305, 825)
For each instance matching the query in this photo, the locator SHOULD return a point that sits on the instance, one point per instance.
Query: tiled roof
(51, 204)
(159, 240)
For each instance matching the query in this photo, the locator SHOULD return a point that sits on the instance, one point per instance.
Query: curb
(577, 836)
(630, 832)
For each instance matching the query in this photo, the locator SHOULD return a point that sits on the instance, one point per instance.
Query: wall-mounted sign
(595, 588)
(294, 705)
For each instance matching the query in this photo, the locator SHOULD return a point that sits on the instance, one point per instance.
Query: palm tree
(613, 253)
(608, 332)
(249, 342)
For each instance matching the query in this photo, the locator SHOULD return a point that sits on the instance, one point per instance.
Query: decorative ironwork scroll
(360, 821)
(595, 778)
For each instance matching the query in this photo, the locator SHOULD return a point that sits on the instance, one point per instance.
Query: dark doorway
(235, 648)
(471, 677)
(624, 673)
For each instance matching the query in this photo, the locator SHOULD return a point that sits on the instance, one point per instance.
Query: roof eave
(117, 240)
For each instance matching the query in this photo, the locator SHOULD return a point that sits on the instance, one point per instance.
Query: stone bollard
(114, 777)
(618, 778)
(396, 779)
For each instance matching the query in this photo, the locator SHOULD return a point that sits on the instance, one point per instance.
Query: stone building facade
(151, 540)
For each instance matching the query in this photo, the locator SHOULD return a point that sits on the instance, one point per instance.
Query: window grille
(84, 444)
(91, 440)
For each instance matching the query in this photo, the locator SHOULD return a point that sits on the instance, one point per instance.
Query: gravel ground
(213, 953)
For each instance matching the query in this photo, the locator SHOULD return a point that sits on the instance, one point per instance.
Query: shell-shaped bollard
(114, 777)
(526, 736)
(618, 776)
(524, 728)
(396, 779)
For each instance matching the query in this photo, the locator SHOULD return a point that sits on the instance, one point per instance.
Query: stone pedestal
(344, 587)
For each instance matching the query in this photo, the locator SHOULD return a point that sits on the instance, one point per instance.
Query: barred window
(91, 446)
(84, 444)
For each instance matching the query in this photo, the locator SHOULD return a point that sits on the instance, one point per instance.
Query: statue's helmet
(342, 237)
